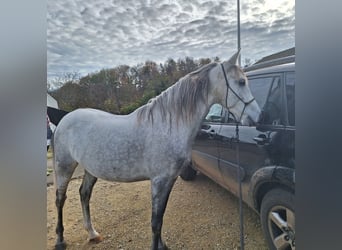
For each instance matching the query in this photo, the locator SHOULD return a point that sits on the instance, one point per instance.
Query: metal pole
(238, 28)
(242, 234)
(242, 241)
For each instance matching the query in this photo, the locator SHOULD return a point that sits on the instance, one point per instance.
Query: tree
(71, 96)
(122, 89)
(59, 81)
(204, 61)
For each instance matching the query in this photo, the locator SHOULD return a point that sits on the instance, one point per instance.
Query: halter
(242, 242)
(228, 87)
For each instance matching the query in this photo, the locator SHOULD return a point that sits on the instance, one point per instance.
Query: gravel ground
(200, 215)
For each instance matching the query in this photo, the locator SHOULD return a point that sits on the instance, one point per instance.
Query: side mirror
(215, 118)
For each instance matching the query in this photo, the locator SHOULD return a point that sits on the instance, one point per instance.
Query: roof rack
(278, 61)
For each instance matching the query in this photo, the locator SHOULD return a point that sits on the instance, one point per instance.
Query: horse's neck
(202, 111)
(196, 121)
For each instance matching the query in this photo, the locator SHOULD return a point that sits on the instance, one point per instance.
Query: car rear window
(267, 91)
(260, 88)
(290, 96)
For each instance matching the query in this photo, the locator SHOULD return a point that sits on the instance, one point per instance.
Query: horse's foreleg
(85, 194)
(161, 188)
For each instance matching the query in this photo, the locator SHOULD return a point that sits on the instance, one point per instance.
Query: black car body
(266, 151)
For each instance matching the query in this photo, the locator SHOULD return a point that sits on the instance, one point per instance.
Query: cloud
(86, 36)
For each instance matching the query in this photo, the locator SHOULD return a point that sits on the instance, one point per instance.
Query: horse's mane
(179, 102)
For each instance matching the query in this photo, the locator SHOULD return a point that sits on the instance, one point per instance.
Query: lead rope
(242, 240)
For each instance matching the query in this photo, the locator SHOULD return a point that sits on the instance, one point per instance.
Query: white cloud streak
(86, 36)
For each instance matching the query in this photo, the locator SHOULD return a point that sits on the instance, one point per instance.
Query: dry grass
(199, 215)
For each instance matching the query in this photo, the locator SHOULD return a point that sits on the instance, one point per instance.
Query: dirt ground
(200, 215)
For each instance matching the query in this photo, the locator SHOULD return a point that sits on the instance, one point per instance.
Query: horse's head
(232, 90)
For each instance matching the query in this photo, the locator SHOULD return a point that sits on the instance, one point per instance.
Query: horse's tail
(63, 163)
(57, 119)
(55, 116)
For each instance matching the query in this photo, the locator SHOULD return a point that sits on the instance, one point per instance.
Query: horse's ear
(234, 60)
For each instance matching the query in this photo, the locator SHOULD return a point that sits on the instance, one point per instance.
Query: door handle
(211, 133)
(261, 139)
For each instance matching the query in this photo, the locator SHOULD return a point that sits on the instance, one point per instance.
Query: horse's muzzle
(249, 121)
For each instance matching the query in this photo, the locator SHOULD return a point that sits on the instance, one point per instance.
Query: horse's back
(85, 115)
(85, 128)
(116, 147)
(101, 142)
(89, 118)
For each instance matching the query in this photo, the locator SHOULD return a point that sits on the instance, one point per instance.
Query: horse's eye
(242, 81)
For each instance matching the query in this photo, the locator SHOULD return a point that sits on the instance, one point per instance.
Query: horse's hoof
(163, 247)
(96, 240)
(60, 246)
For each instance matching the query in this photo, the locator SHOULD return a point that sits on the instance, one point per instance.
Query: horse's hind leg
(85, 194)
(161, 188)
(63, 174)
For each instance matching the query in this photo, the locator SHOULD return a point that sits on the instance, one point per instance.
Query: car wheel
(188, 173)
(278, 219)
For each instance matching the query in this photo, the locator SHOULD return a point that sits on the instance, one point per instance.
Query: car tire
(277, 216)
(188, 173)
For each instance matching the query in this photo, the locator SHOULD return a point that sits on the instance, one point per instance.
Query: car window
(290, 96)
(260, 88)
(272, 110)
(215, 114)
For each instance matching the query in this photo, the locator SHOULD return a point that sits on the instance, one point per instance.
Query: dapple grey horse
(152, 143)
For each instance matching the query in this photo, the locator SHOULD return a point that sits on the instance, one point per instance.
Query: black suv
(267, 151)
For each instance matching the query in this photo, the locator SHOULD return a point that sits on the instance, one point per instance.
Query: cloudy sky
(85, 36)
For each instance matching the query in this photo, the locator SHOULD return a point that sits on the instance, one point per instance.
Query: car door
(205, 153)
(253, 143)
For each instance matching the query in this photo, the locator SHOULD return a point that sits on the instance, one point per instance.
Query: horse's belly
(118, 172)
(124, 178)
(124, 175)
